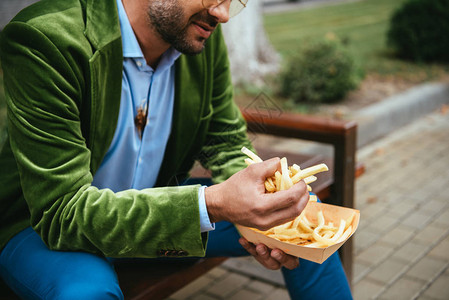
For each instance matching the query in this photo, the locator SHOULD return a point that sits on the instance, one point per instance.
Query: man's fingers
(297, 194)
(262, 250)
(261, 253)
(264, 257)
(288, 261)
(248, 246)
(285, 210)
(266, 168)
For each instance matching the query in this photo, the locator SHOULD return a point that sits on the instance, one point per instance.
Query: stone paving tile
(424, 298)
(278, 294)
(439, 289)
(364, 239)
(430, 234)
(427, 268)
(441, 250)
(375, 254)
(387, 271)
(261, 287)
(442, 195)
(446, 272)
(397, 236)
(366, 289)
(360, 270)
(216, 273)
(421, 191)
(245, 295)
(403, 289)
(439, 220)
(203, 297)
(418, 219)
(410, 252)
(192, 288)
(383, 223)
(369, 213)
(228, 285)
(434, 205)
(444, 217)
(440, 183)
(401, 208)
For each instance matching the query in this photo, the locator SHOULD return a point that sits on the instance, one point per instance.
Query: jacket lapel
(190, 98)
(103, 32)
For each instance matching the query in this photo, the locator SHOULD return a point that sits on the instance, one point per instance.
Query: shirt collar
(130, 45)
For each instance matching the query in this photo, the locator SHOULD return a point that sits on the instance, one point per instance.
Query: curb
(384, 117)
(380, 119)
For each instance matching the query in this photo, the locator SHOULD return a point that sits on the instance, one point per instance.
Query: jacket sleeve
(44, 89)
(227, 130)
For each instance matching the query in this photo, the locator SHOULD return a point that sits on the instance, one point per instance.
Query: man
(105, 119)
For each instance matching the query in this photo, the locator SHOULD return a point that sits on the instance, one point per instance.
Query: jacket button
(171, 253)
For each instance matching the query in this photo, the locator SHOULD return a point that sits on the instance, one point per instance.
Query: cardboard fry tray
(332, 213)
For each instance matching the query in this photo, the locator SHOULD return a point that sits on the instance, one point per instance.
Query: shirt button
(139, 63)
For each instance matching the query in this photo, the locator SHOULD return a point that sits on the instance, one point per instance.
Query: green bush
(321, 72)
(419, 30)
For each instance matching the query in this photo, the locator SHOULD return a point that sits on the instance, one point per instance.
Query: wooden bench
(156, 280)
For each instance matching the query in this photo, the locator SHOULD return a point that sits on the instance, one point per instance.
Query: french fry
(249, 161)
(251, 155)
(302, 231)
(313, 198)
(317, 234)
(346, 234)
(295, 169)
(310, 179)
(309, 172)
(286, 181)
(278, 180)
(288, 176)
(269, 187)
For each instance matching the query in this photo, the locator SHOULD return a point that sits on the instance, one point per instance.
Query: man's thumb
(268, 167)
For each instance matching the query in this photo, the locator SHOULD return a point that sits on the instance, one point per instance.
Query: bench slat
(158, 280)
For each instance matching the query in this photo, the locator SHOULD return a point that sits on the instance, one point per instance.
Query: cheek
(192, 8)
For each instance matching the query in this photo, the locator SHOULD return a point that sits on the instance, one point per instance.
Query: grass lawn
(363, 24)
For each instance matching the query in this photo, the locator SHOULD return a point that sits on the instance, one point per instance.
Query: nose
(221, 12)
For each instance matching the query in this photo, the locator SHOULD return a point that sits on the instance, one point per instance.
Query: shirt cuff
(205, 223)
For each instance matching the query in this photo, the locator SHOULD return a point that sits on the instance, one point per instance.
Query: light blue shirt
(132, 161)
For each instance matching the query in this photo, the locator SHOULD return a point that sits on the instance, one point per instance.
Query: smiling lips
(203, 29)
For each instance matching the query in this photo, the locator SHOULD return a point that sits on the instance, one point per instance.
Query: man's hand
(270, 259)
(242, 199)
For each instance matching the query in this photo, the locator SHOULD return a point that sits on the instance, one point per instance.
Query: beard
(167, 17)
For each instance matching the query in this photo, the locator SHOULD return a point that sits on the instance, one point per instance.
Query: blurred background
(384, 64)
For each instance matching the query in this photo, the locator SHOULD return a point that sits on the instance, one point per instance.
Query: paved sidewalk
(402, 243)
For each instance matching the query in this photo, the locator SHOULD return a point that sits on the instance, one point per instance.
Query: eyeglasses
(235, 7)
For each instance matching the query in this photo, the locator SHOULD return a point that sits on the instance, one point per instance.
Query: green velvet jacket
(62, 62)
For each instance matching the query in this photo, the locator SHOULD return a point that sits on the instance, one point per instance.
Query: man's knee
(87, 290)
